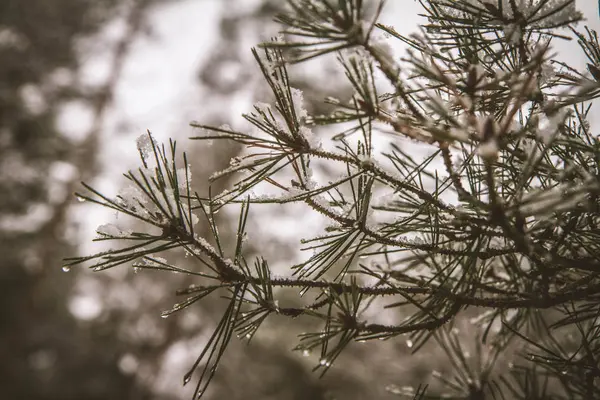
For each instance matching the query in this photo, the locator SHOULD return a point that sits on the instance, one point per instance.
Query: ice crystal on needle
(130, 197)
(184, 177)
(145, 144)
(111, 230)
(298, 100)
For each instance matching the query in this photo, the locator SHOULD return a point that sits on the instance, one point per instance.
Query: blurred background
(79, 81)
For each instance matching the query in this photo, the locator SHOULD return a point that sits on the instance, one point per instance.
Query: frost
(130, 197)
(145, 144)
(111, 230)
(528, 145)
(313, 140)
(547, 73)
(391, 30)
(235, 161)
(548, 128)
(271, 66)
(147, 172)
(386, 200)
(262, 107)
(186, 213)
(222, 130)
(547, 14)
(513, 33)
(168, 201)
(298, 100)
(459, 133)
(366, 160)
(153, 261)
(383, 49)
(488, 150)
(236, 164)
(184, 177)
(561, 197)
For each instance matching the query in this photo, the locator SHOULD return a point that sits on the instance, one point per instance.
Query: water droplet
(324, 362)
(164, 315)
(248, 336)
(136, 270)
(66, 268)
(80, 199)
(187, 379)
(306, 352)
(409, 343)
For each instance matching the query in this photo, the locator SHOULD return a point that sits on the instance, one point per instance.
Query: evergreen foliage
(497, 222)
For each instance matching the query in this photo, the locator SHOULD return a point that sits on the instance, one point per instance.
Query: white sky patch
(75, 120)
(60, 172)
(85, 307)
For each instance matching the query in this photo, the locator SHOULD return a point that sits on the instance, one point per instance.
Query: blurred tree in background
(45, 352)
